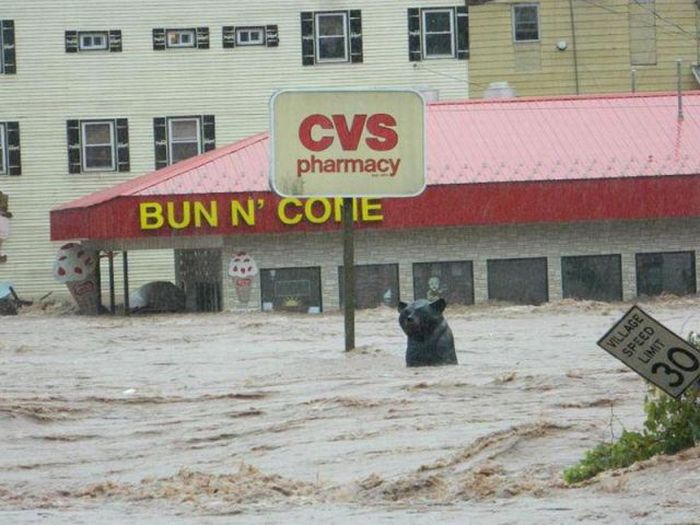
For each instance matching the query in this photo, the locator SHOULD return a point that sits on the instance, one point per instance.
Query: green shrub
(671, 425)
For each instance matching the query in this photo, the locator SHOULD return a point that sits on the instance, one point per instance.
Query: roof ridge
(563, 98)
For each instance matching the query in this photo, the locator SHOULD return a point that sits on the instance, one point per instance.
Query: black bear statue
(430, 340)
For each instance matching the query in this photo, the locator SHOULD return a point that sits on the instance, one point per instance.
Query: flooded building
(527, 201)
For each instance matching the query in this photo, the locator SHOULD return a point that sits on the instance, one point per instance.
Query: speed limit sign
(653, 351)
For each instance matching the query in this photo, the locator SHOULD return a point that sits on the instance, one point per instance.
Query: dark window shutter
(307, 39)
(115, 40)
(414, 37)
(272, 38)
(208, 133)
(14, 160)
(229, 36)
(122, 144)
(355, 36)
(203, 37)
(462, 23)
(159, 39)
(160, 141)
(71, 41)
(8, 47)
(74, 151)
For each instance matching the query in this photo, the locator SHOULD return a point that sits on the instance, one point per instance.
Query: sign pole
(349, 274)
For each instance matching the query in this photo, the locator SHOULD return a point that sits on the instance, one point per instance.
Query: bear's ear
(402, 306)
(439, 305)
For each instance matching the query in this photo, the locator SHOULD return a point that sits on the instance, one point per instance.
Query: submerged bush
(671, 425)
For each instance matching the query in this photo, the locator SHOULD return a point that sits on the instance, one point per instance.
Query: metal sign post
(349, 275)
(653, 351)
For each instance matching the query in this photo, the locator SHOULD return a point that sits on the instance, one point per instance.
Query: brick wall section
(477, 244)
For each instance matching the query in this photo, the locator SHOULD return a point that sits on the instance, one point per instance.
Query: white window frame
(250, 31)
(84, 145)
(318, 37)
(3, 149)
(513, 17)
(424, 25)
(2, 55)
(92, 34)
(198, 122)
(180, 33)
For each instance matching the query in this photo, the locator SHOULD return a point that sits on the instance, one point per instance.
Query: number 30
(671, 354)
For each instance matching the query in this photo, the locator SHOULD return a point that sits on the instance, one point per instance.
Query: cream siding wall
(602, 43)
(477, 244)
(52, 86)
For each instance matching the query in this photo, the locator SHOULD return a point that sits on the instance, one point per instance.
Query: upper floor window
(331, 36)
(80, 41)
(10, 162)
(3, 150)
(97, 139)
(8, 66)
(250, 36)
(438, 33)
(181, 38)
(179, 138)
(526, 23)
(93, 41)
(98, 145)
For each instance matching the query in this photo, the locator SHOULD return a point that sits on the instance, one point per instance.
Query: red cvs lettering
(379, 126)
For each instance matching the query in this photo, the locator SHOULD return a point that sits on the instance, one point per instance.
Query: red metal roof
(501, 142)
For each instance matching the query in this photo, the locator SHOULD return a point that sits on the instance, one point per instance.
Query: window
(330, 37)
(592, 277)
(670, 272)
(93, 41)
(642, 27)
(453, 281)
(250, 36)
(520, 281)
(375, 285)
(79, 41)
(526, 23)
(97, 139)
(438, 33)
(180, 38)
(179, 138)
(184, 139)
(3, 150)
(98, 145)
(10, 162)
(291, 289)
(8, 65)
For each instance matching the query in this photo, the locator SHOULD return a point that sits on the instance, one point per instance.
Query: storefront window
(452, 281)
(520, 281)
(375, 284)
(593, 277)
(291, 289)
(670, 272)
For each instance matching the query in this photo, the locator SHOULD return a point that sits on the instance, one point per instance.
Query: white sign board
(347, 143)
(653, 351)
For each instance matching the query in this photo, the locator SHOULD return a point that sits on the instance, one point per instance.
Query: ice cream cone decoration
(75, 267)
(242, 268)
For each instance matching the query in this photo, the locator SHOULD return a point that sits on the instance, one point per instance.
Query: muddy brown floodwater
(262, 418)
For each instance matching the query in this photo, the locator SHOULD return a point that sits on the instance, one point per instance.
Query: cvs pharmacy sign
(347, 143)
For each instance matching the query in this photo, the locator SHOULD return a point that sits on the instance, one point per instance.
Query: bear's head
(420, 318)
